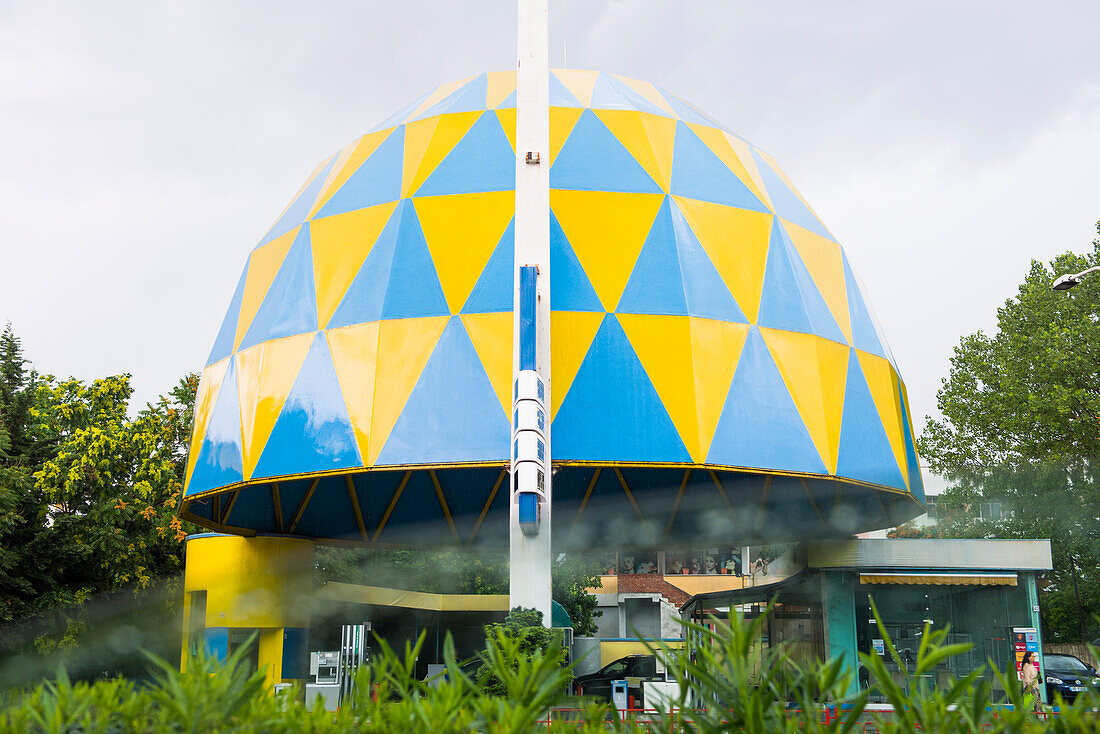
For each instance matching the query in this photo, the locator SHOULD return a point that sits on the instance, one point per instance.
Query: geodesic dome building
(716, 370)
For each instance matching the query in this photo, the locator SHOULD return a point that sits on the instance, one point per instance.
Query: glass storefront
(980, 615)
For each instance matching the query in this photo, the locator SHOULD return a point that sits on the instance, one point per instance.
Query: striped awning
(940, 579)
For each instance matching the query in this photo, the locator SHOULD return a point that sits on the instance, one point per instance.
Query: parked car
(1068, 675)
(633, 668)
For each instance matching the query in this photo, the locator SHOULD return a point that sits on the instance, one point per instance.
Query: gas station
(564, 311)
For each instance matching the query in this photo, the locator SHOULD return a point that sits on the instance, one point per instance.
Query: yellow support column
(235, 586)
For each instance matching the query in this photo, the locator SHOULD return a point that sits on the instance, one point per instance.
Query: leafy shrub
(728, 682)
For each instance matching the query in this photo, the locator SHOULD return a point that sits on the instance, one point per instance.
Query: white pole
(529, 577)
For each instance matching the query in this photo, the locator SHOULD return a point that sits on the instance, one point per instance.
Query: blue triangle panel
(781, 304)
(865, 451)
(366, 295)
(413, 289)
(698, 173)
(453, 413)
(313, 432)
(611, 94)
(821, 318)
(570, 289)
(864, 334)
(786, 202)
(399, 117)
(592, 159)
(223, 344)
(290, 306)
(493, 290)
(686, 112)
(655, 285)
(612, 411)
(482, 160)
(297, 212)
(220, 462)
(376, 181)
(509, 101)
(760, 425)
(916, 482)
(706, 293)
(560, 96)
(468, 98)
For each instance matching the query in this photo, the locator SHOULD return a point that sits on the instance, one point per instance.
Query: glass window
(616, 669)
(1064, 662)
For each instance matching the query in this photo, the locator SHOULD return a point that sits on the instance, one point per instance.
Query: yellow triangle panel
(736, 240)
(438, 95)
(491, 334)
(500, 85)
(580, 83)
(406, 344)
(340, 245)
(265, 374)
(562, 122)
(507, 119)
(607, 231)
(649, 138)
(744, 155)
(263, 265)
(715, 349)
(210, 384)
(427, 143)
(883, 383)
(663, 345)
(571, 335)
(815, 371)
(355, 355)
(823, 259)
(461, 244)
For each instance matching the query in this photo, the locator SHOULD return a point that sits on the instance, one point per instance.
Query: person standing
(1029, 673)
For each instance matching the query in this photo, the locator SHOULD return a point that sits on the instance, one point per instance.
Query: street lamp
(1067, 280)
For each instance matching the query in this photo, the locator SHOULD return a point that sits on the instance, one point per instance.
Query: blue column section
(528, 302)
(217, 642)
(1033, 611)
(295, 653)
(838, 608)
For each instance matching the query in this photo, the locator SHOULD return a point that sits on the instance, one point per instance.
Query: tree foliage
(460, 572)
(87, 492)
(1021, 425)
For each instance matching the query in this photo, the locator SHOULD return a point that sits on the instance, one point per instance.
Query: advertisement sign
(1024, 639)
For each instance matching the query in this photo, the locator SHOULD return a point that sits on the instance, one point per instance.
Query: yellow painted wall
(692, 584)
(612, 650)
(262, 583)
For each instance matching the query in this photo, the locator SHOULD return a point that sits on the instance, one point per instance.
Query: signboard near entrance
(1024, 639)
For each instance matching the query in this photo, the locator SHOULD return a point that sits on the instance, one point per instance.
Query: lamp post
(1067, 280)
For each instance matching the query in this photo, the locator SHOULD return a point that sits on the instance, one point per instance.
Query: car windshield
(1064, 662)
(617, 668)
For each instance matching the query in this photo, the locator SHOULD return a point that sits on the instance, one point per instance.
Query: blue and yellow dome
(712, 351)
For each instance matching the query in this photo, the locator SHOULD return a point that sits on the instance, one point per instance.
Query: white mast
(529, 535)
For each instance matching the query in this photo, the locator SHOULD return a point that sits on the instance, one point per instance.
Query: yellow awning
(940, 579)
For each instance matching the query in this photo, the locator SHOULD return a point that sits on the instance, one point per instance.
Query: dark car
(633, 668)
(1068, 675)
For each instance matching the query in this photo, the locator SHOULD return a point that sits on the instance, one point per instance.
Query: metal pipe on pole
(529, 536)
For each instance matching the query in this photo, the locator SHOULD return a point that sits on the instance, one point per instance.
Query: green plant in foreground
(728, 681)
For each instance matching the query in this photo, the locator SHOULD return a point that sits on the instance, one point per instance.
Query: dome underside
(702, 316)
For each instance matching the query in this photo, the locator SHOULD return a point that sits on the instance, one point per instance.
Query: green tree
(524, 628)
(1021, 425)
(460, 572)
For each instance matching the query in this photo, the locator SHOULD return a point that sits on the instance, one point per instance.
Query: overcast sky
(145, 147)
